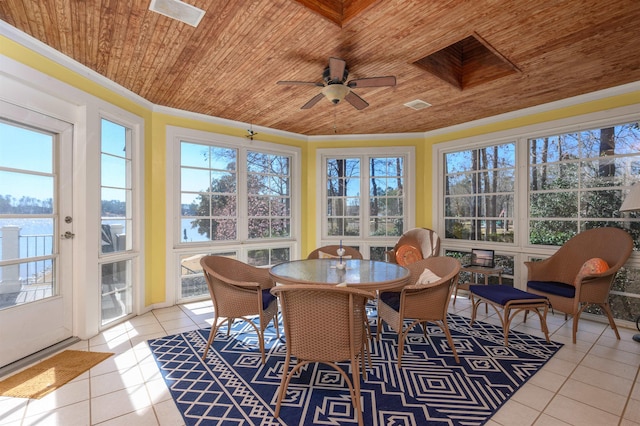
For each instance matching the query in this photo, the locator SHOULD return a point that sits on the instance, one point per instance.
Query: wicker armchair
(332, 251)
(323, 324)
(239, 290)
(413, 245)
(420, 302)
(558, 278)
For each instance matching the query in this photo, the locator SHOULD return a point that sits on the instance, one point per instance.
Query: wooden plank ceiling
(475, 58)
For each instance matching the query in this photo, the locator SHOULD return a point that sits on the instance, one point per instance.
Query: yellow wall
(155, 156)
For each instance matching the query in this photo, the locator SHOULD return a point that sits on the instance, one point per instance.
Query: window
(268, 195)
(479, 186)
(527, 197)
(366, 198)
(209, 192)
(116, 221)
(234, 198)
(211, 199)
(578, 181)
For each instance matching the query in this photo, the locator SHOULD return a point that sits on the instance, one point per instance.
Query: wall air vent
(176, 9)
(417, 104)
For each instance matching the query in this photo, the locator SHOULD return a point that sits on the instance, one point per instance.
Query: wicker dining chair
(420, 302)
(331, 251)
(323, 324)
(239, 291)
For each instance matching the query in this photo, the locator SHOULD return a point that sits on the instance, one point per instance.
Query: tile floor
(594, 382)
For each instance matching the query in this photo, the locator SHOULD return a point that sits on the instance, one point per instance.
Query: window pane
(479, 189)
(28, 141)
(26, 193)
(114, 234)
(271, 256)
(192, 280)
(116, 294)
(195, 180)
(113, 139)
(114, 171)
(195, 230)
(194, 155)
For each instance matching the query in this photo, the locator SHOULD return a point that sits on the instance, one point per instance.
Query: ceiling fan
(335, 88)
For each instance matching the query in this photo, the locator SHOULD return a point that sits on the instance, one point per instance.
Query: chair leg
(607, 309)
(445, 328)
(356, 392)
(212, 335)
(379, 323)
(277, 325)
(284, 383)
(401, 337)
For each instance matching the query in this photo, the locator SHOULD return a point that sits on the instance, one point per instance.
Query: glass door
(36, 232)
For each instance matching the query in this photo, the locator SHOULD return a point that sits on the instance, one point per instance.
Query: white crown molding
(368, 137)
(174, 112)
(550, 106)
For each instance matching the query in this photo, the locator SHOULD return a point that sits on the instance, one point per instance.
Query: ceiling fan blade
(336, 69)
(373, 82)
(301, 83)
(312, 101)
(356, 101)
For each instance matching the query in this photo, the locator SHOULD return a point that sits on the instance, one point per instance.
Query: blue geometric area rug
(233, 387)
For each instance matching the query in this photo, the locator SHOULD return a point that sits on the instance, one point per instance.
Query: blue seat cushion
(267, 298)
(501, 294)
(391, 298)
(553, 287)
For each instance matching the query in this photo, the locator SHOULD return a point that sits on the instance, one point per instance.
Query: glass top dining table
(363, 274)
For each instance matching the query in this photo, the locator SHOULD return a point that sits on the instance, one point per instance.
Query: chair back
(430, 300)
(424, 239)
(332, 250)
(232, 284)
(613, 245)
(322, 323)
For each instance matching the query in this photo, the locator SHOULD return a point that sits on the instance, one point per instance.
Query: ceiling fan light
(335, 92)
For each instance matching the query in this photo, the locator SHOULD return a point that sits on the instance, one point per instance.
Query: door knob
(68, 235)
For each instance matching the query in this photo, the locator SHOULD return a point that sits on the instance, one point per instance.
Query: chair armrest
(596, 278)
(542, 270)
(249, 285)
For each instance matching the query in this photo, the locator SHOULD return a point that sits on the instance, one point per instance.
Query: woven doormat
(50, 374)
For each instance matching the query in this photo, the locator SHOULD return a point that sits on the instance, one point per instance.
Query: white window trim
(136, 144)
(174, 247)
(364, 242)
(520, 249)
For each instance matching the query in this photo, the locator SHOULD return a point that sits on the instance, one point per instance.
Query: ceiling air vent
(467, 63)
(417, 104)
(176, 9)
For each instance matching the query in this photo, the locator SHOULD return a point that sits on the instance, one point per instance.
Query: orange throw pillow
(407, 254)
(592, 266)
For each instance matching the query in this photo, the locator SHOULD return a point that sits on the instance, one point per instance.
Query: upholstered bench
(511, 301)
